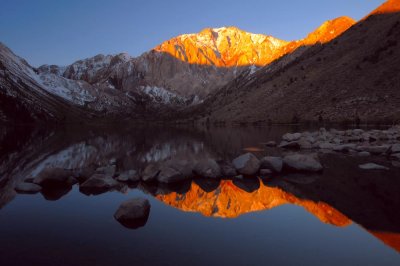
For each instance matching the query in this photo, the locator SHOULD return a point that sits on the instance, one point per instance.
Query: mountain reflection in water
(341, 195)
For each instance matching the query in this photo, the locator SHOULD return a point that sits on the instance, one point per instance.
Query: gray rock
(364, 154)
(27, 188)
(275, 164)
(377, 150)
(358, 131)
(271, 144)
(98, 183)
(344, 147)
(326, 146)
(185, 167)
(133, 213)
(365, 136)
(337, 141)
(302, 163)
(395, 148)
(83, 174)
(128, 176)
(395, 156)
(247, 164)
(396, 164)
(289, 137)
(264, 172)
(169, 175)
(372, 166)
(310, 139)
(207, 168)
(108, 170)
(55, 176)
(304, 144)
(290, 145)
(227, 169)
(150, 172)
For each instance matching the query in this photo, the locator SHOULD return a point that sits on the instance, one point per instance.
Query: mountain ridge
(187, 72)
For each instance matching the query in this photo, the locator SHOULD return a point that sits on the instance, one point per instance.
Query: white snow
(69, 90)
(161, 94)
(253, 69)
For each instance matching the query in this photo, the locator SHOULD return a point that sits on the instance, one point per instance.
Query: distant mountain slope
(25, 97)
(353, 78)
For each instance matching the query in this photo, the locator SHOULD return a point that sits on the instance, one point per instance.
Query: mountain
(350, 78)
(340, 71)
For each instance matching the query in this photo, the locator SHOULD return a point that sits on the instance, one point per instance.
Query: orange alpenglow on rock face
(231, 47)
(223, 47)
(229, 201)
(390, 6)
(329, 30)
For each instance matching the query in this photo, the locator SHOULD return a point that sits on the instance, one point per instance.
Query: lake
(343, 216)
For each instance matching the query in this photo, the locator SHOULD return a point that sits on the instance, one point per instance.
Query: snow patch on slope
(162, 95)
(69, 90)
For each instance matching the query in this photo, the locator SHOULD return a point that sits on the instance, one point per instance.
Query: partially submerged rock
(108, 170)
(302, 163)
(265, 172)
(97, 184)
(128, 176)
(395, 156)
(169, 175)
(290, 145)
(364, 154)
(133, 213)
(55, 177)
(227, 169)
(247, 164)
(207, 168)
(373, 166)
(150, 172)
(289, 137)
(395, 148)
(271, 143)
(274, 164)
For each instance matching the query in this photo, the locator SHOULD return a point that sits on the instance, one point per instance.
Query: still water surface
(343, 216)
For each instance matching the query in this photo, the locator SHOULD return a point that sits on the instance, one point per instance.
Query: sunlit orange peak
(223, 47)
(390, 6)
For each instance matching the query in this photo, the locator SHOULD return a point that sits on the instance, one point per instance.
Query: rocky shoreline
(358, 142)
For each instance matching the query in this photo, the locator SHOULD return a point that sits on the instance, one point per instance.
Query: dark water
(343, 216)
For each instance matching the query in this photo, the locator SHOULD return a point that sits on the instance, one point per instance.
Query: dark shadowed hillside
(355, 78)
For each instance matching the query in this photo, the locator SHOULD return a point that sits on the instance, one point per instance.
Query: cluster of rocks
(98, 180)
(355, 141)
(245, 165)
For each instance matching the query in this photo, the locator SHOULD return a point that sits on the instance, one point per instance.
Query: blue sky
(63, 31)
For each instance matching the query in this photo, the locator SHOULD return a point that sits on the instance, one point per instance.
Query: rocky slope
(351, 78)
